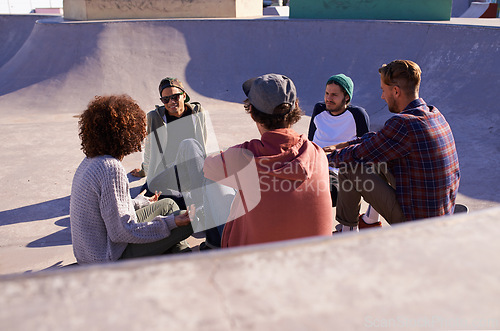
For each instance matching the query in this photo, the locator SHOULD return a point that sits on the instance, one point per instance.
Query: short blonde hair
(403, 73)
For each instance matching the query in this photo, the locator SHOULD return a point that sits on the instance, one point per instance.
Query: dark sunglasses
(174, 97)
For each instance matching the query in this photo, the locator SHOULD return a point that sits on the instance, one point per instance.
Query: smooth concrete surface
(277, 10)
(432, 275)
(14, 30)
(459, 7)
(48, 76)
(481, 10)
(151, 9)
(423, 10)
(54, 75)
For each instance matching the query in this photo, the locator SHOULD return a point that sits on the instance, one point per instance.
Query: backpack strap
(158, 143)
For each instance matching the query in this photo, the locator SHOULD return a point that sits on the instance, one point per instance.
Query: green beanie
(343, 81)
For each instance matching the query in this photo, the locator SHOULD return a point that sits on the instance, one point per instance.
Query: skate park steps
(433, 271)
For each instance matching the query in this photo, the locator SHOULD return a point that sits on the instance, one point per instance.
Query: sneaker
(205, 246)
(363, 225)
(460, 208)
(341, 228)
(199, 235)
(180, 247)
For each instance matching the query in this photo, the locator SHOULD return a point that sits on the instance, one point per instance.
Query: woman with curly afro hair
(106, 223)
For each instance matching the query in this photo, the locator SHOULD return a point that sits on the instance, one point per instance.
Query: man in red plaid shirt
(409, 169)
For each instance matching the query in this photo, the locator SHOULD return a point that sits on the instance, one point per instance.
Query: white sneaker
(350, 228)
(342, 228)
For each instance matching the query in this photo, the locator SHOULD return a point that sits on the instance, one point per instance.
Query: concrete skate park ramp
(60, 66)
(63, 65)
(481, 10)
(14, 30)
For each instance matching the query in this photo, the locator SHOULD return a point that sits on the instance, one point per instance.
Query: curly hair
(282, 116)
(112, 125)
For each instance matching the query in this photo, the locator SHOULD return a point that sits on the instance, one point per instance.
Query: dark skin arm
(185, 218)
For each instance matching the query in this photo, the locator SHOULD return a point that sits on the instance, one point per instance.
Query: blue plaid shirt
(419, 149)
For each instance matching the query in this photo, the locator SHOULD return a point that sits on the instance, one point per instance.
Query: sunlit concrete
(433, 275)
(49, 72)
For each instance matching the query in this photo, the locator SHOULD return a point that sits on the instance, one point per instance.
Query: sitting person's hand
(138, 173)
(185, 217)
(330, 149)
(155, 197)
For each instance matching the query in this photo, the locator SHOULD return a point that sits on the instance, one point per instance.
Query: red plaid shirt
(419, 149)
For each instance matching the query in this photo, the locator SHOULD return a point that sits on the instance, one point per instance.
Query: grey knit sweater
(102, 213)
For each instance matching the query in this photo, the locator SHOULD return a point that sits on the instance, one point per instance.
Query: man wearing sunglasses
(174, 152)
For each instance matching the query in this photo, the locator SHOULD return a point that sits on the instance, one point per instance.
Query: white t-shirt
(334, 129)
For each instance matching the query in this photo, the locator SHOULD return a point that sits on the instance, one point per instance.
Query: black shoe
(205, 246)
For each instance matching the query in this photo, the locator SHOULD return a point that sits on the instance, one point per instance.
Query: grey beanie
(268, 91)
(343, 81)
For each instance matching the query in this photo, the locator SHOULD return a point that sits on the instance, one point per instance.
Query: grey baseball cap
(266, 92)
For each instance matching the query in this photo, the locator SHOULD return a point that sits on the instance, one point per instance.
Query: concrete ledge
(434, 274)
(137, 9)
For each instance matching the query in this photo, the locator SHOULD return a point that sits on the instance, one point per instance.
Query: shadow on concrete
(49, 209)
(11, 40)
(55, 266)
(37, 212)
(308, 52)
(59, 238)
(29, 67)
(56, 67)
(132, 179)
(214, 57)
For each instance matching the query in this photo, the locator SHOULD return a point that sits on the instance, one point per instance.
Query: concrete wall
(136, 9)
(459, 7)
(422, 10)
(428, 275)
(12, 38)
